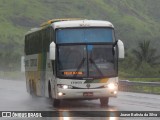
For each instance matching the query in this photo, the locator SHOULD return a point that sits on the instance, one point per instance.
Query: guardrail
(140, 87)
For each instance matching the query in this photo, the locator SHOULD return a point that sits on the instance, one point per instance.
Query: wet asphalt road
(13, 97)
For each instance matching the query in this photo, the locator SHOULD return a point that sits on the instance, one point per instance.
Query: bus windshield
(84, 35)
(86, 61)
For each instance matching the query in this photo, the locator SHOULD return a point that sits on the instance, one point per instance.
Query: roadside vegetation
(141, 63)
(134, 21)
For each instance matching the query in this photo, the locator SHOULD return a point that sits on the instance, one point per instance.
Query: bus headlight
(65, 86)
(111, 86)
(115, 92)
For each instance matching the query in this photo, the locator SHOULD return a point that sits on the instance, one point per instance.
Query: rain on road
(13, 97)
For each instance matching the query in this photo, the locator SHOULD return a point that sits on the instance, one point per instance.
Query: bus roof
(58, 20)
(82, 23)
(72, 22)
(33, 30)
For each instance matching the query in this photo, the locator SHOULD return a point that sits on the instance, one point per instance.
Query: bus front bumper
(86, 93)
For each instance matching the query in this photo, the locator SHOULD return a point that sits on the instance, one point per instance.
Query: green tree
(145, 53)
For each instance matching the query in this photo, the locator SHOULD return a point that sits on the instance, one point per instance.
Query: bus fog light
(111, 86)
(60, 94)
(115, 92)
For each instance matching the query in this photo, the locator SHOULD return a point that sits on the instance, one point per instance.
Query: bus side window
(39, 46)
(46, 39)
(52, 34)
(26, 44)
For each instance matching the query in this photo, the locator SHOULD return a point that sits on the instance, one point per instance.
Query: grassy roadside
(12, 75)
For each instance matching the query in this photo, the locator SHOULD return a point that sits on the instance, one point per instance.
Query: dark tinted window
(85, 35)
(39, 41)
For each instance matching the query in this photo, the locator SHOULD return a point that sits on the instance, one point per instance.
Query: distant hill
(134, 20)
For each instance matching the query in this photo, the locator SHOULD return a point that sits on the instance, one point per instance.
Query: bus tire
(30, 88)
(49, 91)
(56, 103)
(104, 101)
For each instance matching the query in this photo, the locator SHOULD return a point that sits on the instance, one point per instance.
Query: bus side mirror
(120, 49)
(52, 51)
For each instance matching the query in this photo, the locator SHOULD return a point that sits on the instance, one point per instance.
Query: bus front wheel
(56, 102)
(104, 101)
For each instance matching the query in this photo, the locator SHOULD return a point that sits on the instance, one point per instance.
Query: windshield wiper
(92, 61)
(80, 65)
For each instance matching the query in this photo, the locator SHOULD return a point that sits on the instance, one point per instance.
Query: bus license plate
(88, 94)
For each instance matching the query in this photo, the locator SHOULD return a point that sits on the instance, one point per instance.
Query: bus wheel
(56, 102)
(104, 101)
(31, 87)
(49, 91)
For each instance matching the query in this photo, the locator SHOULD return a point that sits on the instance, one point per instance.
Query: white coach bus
(73, 59)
